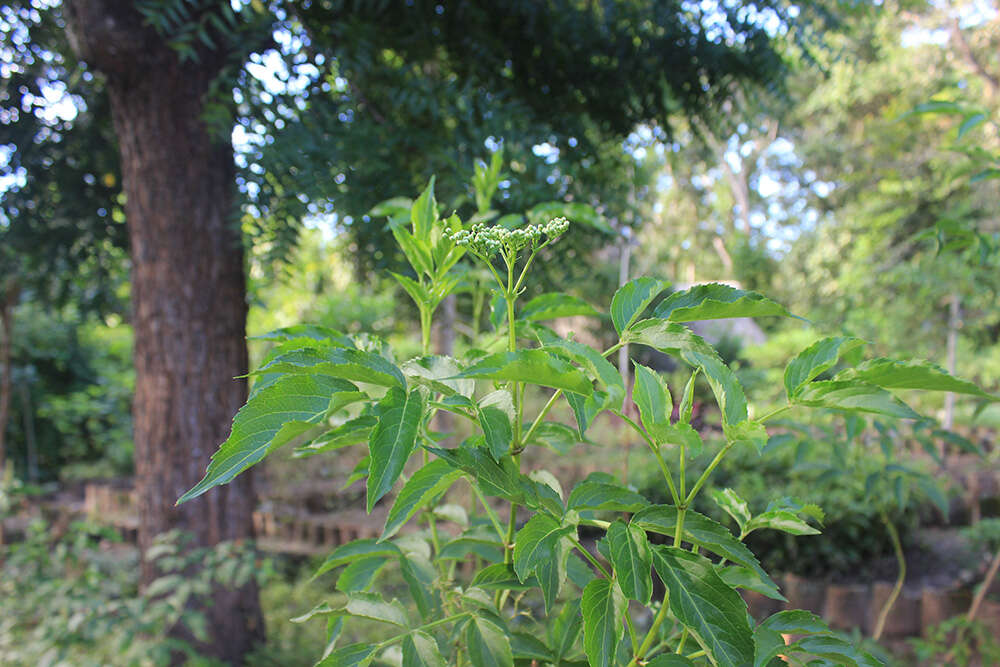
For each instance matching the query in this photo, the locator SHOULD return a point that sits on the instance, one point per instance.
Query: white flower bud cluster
(487, 241)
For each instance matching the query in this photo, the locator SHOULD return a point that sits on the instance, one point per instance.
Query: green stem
(647, 641)
(494, 519)
(774, 413)
(631, 631)
(426, 626)
(680, 644)
(679, 531)
(425, 328)
(589, 556)
(897, 547)
(541, 415)
(596, 523)
(659, 457)
(708, 471)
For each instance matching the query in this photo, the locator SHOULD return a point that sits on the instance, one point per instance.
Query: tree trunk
(188, 292)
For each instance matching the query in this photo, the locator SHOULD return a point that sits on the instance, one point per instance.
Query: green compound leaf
(358, 550)
(373, 607)
(565, 629)
(706, 605)
(423, 213)
(703, 531)
(359, 575)
(732, 505)
(715, 301)
(277, 414)
(818, 358)
(677, 340)
(487, 643)
(600, 491)
(531, 366)
(344, 363)
(602, 605)
(632, 299)
(916, 374)
(652, 397)
(783, 520)
(591, 361)
(742, 577)
(853, 396)
(631, 559)
(527, 647)
(392, 440)
(502, 576)
(669, 660)
(551, 305)
(426, 484)
(421, 650)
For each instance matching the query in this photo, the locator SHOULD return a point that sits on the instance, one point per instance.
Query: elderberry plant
(538, 595)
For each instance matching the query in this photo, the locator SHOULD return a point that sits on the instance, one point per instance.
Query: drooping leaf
(421, 650)
(393, 440)
(912, 374)
(532, 366)
(273, 417)
(631, 559)
(818, 358)
(853, 396)
(652, 397)
(487, 643)
(632, 299)
(502, 576)
(602, 606)
(715, 301)
(783, 520)
(703, 602)
(426, 484)
(435, 371)
(591, 361)
(556, 304)
(738, 576)
(732, 505)
(360, 574)
(676, 339)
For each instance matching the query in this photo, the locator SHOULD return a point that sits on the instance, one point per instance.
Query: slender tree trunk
(9, 296)
(188, 292)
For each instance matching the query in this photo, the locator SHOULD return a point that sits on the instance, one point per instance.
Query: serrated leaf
(591, 361)
(602, 606)
(479, 540)
(531, 366)
(704, 603)
(652, 397)
(703, 531)
(487, 643)
(552, 305)
(497, 430)
(360, 574)
(355, 655)
(344, 363)
(276, 415)
(421, 650)
(373, 607)
(426, 484)
(419, 574)
(632, 299)
(629, 554)
(393, 440)
(357, 550)
(527, 647)
(733, 505)
(306, 331)
(600, 491)
(502, 576)
(557, 437)
(585, 409)
(423, 213)
(853, 396)
(435, 371)
(818, 358)
(565, 629)
(676, 339)
(737, 576)
(783, 520)
(911, 374)
(537, 548)
(669, 660)
(715, 301)
(747, 432)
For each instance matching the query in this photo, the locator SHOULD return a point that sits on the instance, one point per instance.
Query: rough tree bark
(188, 291)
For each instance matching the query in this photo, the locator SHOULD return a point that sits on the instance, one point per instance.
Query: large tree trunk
(188, 291)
